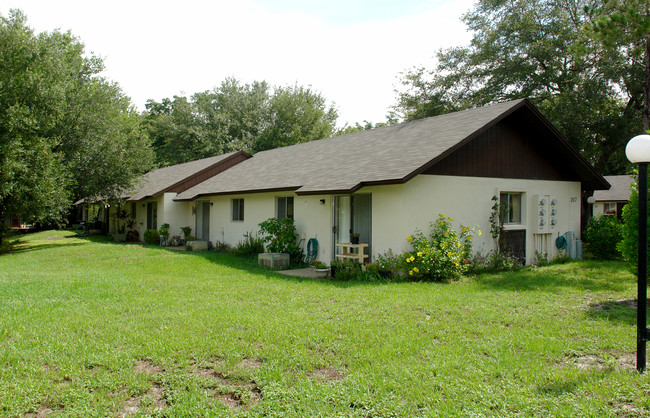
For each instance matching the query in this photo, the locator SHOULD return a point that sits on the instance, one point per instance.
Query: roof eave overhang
(237, 192)
(173, 187)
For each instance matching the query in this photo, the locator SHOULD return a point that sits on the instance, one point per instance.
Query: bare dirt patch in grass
(153, 398)
(328, 374)
(146, 367)
(43, 411)
(250, 364)
(625, 409)
(233, 392)
(602, 361)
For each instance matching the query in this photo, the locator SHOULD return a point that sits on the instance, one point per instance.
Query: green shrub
(280, 236)
(163, 232)
(541, 258)
(628, 246)
(389, 265)
(187, 232)
(222, 247)
(443, 257)
(346, 270)
(602, 236)
(249, 246)
(151, 236)
(494, 261)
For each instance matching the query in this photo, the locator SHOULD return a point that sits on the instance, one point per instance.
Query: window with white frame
(284, 207)
(238, 209)
(512, 203)
(609, 208)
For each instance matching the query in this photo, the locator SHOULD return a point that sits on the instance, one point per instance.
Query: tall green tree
(547, 51)
(296, 114)
(65, 133)
(235, 116)
(623, 27)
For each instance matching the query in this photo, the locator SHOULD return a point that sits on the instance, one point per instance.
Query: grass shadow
(25, 244)
(249, 265)
(582, 275)
(621, 310)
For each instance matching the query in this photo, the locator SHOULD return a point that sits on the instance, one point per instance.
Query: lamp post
(638, 152)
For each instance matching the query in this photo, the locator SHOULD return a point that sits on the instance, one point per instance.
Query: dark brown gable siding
(202, 176)
(509, 149)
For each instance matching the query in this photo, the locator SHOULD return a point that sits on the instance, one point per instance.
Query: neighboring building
(387, 182)
(152, 204)
(611, 202)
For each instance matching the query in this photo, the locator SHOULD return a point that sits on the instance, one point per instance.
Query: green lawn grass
(93, 328)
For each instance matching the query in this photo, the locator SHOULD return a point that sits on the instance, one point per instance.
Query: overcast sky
(350, 51)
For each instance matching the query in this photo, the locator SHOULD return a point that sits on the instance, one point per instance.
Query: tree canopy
(65, 132)
(235, 116)
(588, 82)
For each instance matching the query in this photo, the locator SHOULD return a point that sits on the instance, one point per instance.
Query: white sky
(351, 51)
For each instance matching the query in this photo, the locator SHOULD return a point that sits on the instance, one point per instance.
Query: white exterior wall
(258, 207)
(597, 209)
(398, 210)
(313, 218)
(176, 214)
(141, 214)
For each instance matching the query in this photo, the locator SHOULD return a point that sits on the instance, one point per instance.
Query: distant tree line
(235, 116)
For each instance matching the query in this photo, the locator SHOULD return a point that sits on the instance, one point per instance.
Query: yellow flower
(479, 232)
(412, 258)
(451, 219)
(449, 254)
(469, 238)
(408, 260)
(458, 244)
(443, 216)
(411, 272)
(415, 269)
(457, 265)
(409, 238)
(419, 254)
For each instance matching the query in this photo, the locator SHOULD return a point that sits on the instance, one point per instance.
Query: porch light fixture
(638, 152)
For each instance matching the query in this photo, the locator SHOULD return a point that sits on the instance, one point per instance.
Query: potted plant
(321, 269)
(354, 238)
(164, 234)
(314, 263)
(187, 234)
(133, 234)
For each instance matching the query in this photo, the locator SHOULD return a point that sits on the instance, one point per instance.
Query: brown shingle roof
(165, 179)
(343, 164)
(620, 191)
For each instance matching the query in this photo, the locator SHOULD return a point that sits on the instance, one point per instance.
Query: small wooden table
(348, 254)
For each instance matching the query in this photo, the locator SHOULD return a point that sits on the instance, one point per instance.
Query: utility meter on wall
(554, 216)
(543, 207)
